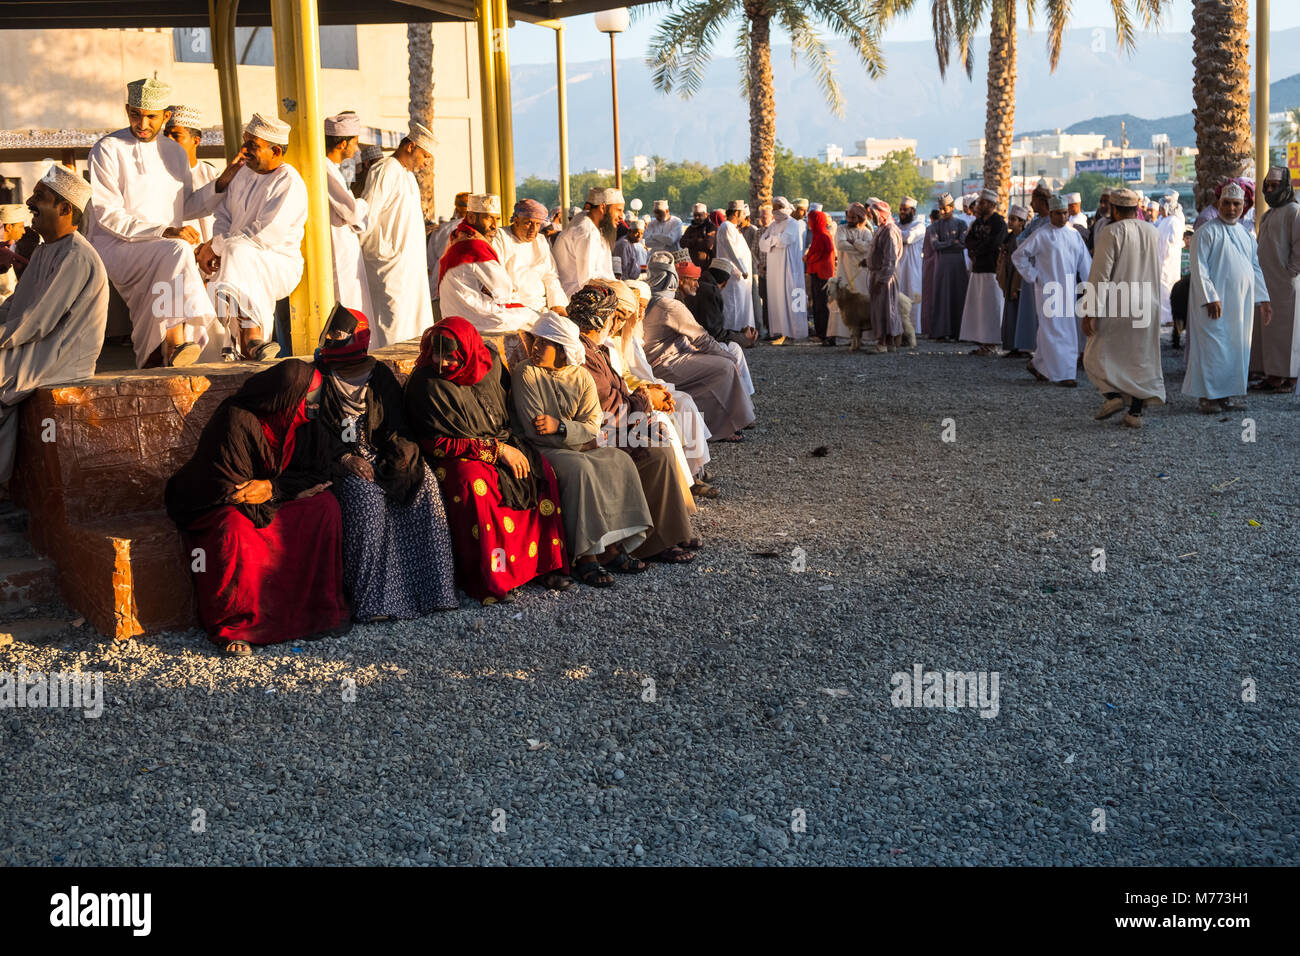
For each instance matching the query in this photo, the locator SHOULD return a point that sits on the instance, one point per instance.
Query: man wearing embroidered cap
(1053, 259)
(366, 161)
(141, 182)
(185, 129)
(394, 243)
(800, 215)
(256, 246)
(1074, 206)
(52, 327)
(882, 262)
(981, 317)
(943, 309)
(585, 249)
(1227, 287)
(349, 215)
(474, 285)
(665, 231)
(526, 256)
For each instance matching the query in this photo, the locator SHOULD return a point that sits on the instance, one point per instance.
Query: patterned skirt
(397, 559)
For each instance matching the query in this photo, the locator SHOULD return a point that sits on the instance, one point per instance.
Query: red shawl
(472, 360)
(819, 260)
(465, 245)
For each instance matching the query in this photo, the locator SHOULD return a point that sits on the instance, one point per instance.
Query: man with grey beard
(584, 250)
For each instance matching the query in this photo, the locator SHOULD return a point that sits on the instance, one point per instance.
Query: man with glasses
(526, 256)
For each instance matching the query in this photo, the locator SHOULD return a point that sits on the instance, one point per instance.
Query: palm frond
(1058, 18)
(856, 23)
(805, 39)
(680, 49)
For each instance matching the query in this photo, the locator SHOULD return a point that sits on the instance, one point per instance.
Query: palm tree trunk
(762, 105)
(1221, 91)
(1000, 120)
(419, 54)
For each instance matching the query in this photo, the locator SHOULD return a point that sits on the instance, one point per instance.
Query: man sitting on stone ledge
(256, 246)
(52, 328)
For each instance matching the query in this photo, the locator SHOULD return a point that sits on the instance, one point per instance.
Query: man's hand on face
(228, 173)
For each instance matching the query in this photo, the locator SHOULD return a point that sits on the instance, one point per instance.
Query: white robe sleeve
(345, 208)
(272, 227)
(106, 197)
(482, 292)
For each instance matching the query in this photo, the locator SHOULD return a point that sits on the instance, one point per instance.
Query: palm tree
(1221, 91)
(1287, 129)
(955, 23)
(681, 47)
(419, 55)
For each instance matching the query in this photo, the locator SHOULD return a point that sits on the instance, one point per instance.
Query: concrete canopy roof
(117, 14)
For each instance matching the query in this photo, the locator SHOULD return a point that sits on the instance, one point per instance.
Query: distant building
(868, 153)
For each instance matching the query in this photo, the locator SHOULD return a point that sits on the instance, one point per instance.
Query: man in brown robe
(1279, 259)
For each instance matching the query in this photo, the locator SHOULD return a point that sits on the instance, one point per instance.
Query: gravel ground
(1119, 691)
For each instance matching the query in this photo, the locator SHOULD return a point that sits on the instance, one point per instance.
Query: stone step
(13, 520)
(26, 581)
(14, 544)
(33, 629)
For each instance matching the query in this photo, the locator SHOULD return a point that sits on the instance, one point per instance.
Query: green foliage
(684, 184)
(1089, 187)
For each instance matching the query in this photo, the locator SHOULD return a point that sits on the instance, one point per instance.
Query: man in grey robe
(1122, 355)
(52, 327)
(948, 242)
(882, 261)
(1279, 258)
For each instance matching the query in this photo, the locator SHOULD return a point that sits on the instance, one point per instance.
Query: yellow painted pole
(296, 28)
(1261, 101)
(487, 95)
(505, 122)
(562, 103)
(221, 23)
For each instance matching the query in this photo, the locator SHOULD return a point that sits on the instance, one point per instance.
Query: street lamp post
(613, 22)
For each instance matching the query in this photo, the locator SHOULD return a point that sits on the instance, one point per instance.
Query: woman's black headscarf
(592, 306)
(264, 432)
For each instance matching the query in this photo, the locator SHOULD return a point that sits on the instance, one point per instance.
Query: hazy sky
(532, 44)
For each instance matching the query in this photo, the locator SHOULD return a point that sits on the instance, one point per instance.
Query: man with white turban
(52, 327)
(1122, 355)
(526, 256)
(852, 246)
(664, 233)
(911, 231)
(738, 293)
(348, 215)
(981, 317)
(1227, 287)
(1169, 227)
(141, 182)
(475, 286)
(585, 249)
(255, 254)
(1054, 258)
(394, 244)
(17, 243)
(782, 247)
(1279, 260)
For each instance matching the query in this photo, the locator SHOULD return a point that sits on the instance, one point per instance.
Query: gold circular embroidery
(556, 542)
(480, 487)
(546, 507)
(456, 499)
(512, 557)
(489, 528)
(474, 532)
(489, 600)
(508, 523)
(440, 473)
(532, 549)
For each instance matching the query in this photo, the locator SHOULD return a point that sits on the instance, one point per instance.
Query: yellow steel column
(505, 123)
(221, 23)
(487, 95)
(562, 101)
(296, 29)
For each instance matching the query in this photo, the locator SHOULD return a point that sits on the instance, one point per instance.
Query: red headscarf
(465, 245)
(717, 217)
(472, 358)
(819, 260)
(346, 351)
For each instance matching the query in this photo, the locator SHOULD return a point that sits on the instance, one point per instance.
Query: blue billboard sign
(1132, 168)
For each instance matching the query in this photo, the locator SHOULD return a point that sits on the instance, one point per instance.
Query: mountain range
(1093, 79)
